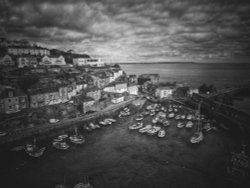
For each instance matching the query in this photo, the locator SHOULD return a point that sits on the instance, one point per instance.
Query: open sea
(195, 74)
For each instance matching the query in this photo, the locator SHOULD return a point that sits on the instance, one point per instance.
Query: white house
(53, 60)
(116, 88)
(117, 99)
(133, 90)
(94, 62)
(164, 92)
(6, 61)
(191, 91)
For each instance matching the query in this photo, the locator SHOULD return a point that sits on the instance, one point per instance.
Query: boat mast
(199, 116)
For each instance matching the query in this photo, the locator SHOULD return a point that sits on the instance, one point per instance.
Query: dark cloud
(133, 29)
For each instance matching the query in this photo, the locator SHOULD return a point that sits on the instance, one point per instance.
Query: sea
(195, 74)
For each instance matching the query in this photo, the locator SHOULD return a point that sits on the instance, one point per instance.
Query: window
(10, 107)
(9, 100)
(10, 93)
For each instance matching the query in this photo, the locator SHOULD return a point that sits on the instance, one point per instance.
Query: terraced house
(12, 100)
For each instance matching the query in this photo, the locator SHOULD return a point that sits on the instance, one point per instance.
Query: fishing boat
(136, 126)
(161, 133)
(177, 117)
(189, 124)
(63, 136)
(84, 184)
(107, 121)
(77, 138)
(198, 135)
(57, 139)
(145, 129)
(152, 131)
(3, 133)
(166, 123)
(180, 124)
(111, 120)
(33, 150)
(60, 145)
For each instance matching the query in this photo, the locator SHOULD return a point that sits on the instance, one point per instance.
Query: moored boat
(197, 137)
(180, 124)
(33, 150)
(3, 133)
(189, 124)
(60, 145)
(84, 184)
(171, 115)
(161, 133)
(63, 136)
(77, 138)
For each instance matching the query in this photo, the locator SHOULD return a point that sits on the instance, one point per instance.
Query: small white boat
(97, 126)
(63, 136)
(77, 138)
(57, 139)
(3, 133)
(189, 124)
(189, 117)
(86, 127)
(112, 120)
(170, 110)
(152, 131)
(33, 150)
(152, 113)
(84, 184)
(180, 125)
(161, 133)
(207, 127)
(177, 117)
(139, 118)
(171, 115)
(102, 123)
(92, 126)
(154, 120)
(197, 137)
(175, 110)
(183, 116)
(166, 123)
(136, 126)
(145, 129)
(107, 121)
(60, 145)
(53, 120)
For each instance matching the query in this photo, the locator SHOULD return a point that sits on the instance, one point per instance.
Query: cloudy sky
(134, 30)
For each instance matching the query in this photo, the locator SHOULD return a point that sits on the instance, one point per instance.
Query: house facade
(26, 61)
(19, 50)
(7, 61)
(53, 60)
(12, 100)
(164, 92)
(93, 92)
(133, 89)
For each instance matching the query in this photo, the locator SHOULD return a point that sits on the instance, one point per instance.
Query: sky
(134, 30)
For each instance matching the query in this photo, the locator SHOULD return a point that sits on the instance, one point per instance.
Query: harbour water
(195, 74)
